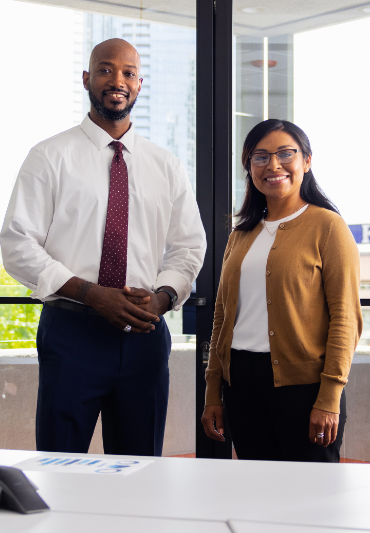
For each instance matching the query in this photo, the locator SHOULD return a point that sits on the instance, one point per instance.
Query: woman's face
(276, 179)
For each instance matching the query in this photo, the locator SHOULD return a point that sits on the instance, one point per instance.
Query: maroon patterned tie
(113, 263)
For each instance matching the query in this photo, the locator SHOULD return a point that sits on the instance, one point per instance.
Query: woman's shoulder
(240, 235)
(322, 214)
(331, 227)
(320, 217)
(239, 239)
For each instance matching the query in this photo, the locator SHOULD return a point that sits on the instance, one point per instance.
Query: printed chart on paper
(78, 465)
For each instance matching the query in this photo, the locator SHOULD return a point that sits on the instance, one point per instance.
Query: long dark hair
(255, 207)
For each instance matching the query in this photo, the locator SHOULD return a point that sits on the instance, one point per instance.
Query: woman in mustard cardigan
(288, 316)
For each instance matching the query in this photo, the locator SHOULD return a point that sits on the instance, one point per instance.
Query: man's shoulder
(156, 152)
(60, 140)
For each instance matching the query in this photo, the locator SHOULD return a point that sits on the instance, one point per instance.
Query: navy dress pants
(270, 423)
(87, 366)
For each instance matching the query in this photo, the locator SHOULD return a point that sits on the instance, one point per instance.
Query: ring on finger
(320, 435)
(127, 328)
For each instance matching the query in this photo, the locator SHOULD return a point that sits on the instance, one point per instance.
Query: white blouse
(251, 321)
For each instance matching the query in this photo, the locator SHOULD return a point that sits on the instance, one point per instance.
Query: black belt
(72, 306)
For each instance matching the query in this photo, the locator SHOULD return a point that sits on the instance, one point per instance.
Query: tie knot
(118, 147)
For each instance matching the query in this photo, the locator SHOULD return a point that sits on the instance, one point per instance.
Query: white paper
(81, 465)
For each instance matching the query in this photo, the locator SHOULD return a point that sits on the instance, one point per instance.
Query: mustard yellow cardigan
(313, 305)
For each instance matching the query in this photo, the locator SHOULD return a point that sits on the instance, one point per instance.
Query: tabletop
(239, 526)
(58, 522)
(309, 494)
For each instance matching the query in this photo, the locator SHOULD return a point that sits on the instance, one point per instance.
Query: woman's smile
(279, 180)
(276, 178)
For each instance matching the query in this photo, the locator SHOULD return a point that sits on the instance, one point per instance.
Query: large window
(302, 62)
(50, 49)
(43, 95)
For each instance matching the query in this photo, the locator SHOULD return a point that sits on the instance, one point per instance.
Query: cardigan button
(272, 333)
(277, 380)
(268, 302)
(282, 226)
(268, 273)
(276, 362)
(273, 247)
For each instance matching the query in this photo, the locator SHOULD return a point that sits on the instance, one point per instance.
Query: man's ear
(85, 79)
(140, 85)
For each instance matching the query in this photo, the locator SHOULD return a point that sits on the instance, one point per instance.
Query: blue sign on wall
(361, 233)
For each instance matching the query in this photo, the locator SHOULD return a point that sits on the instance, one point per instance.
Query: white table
(306, 494)
(238, 526)
(58, 522)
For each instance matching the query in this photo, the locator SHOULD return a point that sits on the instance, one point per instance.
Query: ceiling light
(253, 10)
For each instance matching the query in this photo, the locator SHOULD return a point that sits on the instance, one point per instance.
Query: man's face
(113, 81)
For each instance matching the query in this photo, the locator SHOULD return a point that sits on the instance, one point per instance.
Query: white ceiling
(293, 16)
(177, 12)
(279, 16)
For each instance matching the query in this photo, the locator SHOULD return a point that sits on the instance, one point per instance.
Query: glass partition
(307, 63)
(45, 96)
(56, 99)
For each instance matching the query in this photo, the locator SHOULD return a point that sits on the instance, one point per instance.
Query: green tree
(18, 323)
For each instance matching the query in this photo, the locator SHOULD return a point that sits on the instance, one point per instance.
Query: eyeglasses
(261, 159)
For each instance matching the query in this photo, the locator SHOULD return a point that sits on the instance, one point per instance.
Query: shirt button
(282, 226)
(268, 273)
(276, 362)
(277, 380)
(269, 302)
(272, 333)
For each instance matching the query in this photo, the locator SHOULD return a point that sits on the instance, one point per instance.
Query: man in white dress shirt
(103, 226)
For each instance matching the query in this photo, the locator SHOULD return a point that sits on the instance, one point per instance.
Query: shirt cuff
(213, 391)
(179, 282)
(51, 280)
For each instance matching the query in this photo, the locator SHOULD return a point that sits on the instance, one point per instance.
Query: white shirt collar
(101, 138)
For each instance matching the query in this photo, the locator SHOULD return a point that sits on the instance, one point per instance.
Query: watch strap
(171, 294)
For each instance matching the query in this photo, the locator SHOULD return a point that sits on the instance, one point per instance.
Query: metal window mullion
(214, 145)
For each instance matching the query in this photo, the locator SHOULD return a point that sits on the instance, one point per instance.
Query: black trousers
(271, 423)
(87, 366)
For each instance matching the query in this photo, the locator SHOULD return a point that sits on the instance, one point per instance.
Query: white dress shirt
(251, 321)
(54, 226)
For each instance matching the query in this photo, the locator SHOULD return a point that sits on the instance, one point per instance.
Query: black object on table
(18, 494)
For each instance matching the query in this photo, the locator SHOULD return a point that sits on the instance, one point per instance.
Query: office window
(50, 49)
(302, 62)
(43, 95)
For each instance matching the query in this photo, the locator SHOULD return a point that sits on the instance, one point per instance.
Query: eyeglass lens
(285, 156)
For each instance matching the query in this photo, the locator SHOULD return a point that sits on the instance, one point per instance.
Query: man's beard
(110, 114)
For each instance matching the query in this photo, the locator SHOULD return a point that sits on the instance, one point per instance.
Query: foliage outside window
(18, 323)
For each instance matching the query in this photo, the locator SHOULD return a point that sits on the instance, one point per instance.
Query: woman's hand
(213, 422)
(323, 422)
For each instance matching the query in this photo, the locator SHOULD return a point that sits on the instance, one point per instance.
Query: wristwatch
(171, 294)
